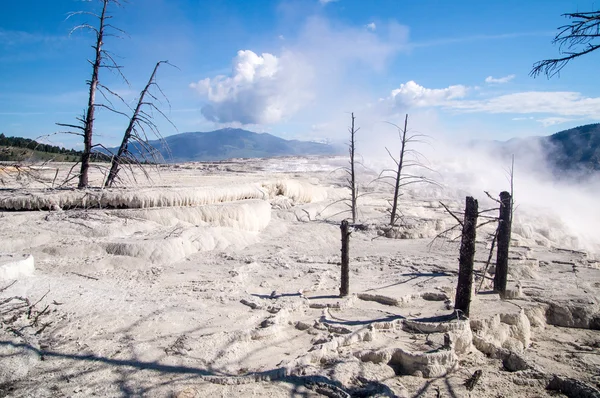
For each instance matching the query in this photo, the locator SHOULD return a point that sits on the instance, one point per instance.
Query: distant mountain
(232, 143)
(575, 150)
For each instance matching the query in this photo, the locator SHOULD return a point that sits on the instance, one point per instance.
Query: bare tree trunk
(504, 232)
(345, 282)
(352, 175)
(88, 129)
(399, 174)
(116, 160)
(467, 255)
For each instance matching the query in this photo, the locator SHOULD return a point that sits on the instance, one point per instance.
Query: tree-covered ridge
(575, 149)
(20, 142)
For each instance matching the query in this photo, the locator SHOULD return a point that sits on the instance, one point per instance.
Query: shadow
(450, 388)
(43, 354)
(439, 318)
(419, 274)
(312, 384)
(414, 276)
(388, 318)
(332, 296)
(324, 386)
(275, 296)
(487, 293)
(429, 383)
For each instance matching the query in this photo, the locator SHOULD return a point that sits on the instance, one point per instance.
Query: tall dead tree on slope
(580, 37)
(101, 55)
(352, 180)
(136, 130)
(399, 175)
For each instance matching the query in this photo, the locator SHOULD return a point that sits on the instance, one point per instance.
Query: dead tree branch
(135, 132)
(574, 40)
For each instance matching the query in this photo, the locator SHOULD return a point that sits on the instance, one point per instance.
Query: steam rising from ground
(562, 210)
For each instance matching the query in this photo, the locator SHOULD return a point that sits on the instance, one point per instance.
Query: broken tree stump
(467, 255)
(501, 275)
(473, 380)
(345, 280)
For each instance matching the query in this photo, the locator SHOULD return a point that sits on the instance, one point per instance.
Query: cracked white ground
(223, 281)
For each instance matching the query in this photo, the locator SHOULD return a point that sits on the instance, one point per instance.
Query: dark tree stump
(345, 283)
(501, 274)
(467, 255)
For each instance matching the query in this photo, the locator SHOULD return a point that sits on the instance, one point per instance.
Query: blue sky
(295, 68)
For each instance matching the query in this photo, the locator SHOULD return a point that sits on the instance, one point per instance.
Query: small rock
(302, 326)
(267, 322)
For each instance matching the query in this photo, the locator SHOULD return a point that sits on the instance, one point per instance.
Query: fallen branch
(7, 286)
(473, 380)
(84, 276)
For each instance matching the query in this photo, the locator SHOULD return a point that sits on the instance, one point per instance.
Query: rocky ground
(222, 279)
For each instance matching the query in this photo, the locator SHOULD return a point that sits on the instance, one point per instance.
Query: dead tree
(400, 163)
(502, 211)
(467, 255)
(345, 280)
(352, 181)
(399, 176)
(86, 129)
(504, 233)
(580, 37)
(136, 131)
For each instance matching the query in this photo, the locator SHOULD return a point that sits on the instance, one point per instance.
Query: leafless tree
(578, 38)
(102, 59)
(351, 180)
(136, 132)
(409, 159)
(351, 171)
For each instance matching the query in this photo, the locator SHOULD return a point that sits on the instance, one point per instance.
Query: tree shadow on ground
(413, 276)
(302, 385)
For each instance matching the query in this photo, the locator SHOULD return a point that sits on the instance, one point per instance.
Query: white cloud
(18, 38)
(371, 26)
(311, 72)
(563, 103)
(341, 46)
(262, 89)
(551, 121)
(557, 104)
(411, 94)
(499, 80)
(324, 2)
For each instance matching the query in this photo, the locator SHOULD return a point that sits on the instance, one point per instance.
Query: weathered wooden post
(467, 255)
(504, 228)
(345, 285)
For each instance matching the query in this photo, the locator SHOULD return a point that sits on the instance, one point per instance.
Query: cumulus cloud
(411, 94)
(499, 80)
(271, 87)
(261, 89)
